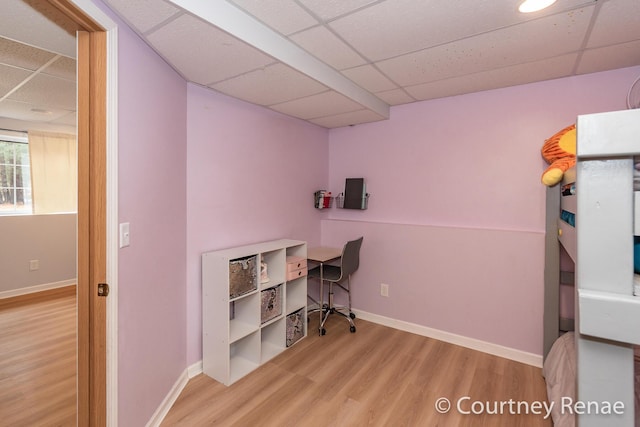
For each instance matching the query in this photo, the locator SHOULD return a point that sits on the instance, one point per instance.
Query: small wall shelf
(340, 202)
(322, 199)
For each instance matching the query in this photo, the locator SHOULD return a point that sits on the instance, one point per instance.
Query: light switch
(124, 234)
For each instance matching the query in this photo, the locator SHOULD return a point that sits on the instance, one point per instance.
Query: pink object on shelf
(296, 267)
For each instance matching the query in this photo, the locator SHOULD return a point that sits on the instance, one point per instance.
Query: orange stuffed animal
(560, 152)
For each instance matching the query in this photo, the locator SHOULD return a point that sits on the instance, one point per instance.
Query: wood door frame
(91, 228)
(97, 213)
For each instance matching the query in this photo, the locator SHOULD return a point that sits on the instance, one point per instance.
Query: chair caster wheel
(323, 331)
(352, 315)
(352, 329)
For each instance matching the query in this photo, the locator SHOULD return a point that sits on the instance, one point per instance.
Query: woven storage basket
(242, 276)
(295, 326)
(271, 300)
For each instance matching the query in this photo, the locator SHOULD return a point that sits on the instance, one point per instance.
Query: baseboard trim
(474, 344)
(195, 369)
(38, 288)
(174, 393)
(169, 400)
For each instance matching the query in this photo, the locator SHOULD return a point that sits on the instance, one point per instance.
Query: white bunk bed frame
(607, 313)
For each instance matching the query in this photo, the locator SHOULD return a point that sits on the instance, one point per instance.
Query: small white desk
(321, 255)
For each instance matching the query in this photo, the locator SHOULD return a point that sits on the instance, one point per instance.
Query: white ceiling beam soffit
(253, 32)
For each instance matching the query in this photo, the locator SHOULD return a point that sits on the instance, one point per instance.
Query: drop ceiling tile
(47, 91)
(11, 76)
(25, 111)
(369, 78)
(316, 106)
(397, 27)
(63, 67)
(508, 76)
(534, 40)
(329, 9)
(219, 55)
(395, 97)
(438, 47)
(284, 16)
(618, 21)
(144, 14)
(272, 84)
(607, 58)
(348, 119)
(48, 28)
(324, 45)
(23, 56)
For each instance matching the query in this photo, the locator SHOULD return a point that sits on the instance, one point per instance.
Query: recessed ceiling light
(528, 6)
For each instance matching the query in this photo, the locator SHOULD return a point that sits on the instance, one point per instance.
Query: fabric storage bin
(271, 303)
(295, 327)
(242, 276)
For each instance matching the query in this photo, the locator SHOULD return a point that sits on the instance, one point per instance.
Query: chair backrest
(350, 257)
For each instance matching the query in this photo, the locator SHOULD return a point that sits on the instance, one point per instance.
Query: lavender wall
(200, 171)
(152, 106)
(251, 174)
(456, 217)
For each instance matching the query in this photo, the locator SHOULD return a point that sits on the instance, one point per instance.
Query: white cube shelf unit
(235, 341)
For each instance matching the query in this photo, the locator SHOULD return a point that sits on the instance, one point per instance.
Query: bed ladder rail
(606, 309)
(610, 316)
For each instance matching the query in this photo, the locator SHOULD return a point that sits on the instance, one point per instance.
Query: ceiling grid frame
(612, 40)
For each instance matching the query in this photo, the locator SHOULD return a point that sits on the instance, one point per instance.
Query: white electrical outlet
(384, 289)
(34, 264)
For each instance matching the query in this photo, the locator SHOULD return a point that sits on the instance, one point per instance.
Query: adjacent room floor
(38, 360)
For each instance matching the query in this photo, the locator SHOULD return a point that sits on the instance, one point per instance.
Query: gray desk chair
(349, 263)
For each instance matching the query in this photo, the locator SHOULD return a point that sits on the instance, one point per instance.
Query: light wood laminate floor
(38, 360)
(376, 377)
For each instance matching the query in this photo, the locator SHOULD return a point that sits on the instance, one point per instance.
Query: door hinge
(103, 289)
